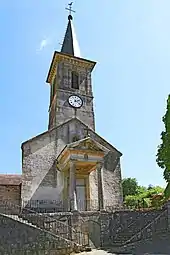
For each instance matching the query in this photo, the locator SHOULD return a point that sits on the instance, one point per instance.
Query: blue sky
(129, 39)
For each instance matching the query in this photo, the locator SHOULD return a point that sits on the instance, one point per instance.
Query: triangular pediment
(87, 144)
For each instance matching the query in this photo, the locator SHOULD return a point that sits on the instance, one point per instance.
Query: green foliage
(130, 186)
(167, 191)
(163, 154)
(131, 201)
(147, 202)
(142, 189)
(155, 190)
(136, 196)
(137, 202)
(157, 201)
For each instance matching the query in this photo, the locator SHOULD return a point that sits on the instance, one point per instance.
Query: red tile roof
(10, 179)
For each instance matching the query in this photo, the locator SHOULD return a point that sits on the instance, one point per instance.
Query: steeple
(70, 44)
(70, 80)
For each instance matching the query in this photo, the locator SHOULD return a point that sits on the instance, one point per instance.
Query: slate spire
(70, 44)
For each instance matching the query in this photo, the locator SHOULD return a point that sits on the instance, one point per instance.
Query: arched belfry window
(74, 80)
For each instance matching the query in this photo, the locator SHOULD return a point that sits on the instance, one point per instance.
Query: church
(69, 196)
(69, 167)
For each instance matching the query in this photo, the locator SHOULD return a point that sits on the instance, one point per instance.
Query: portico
(76, 162)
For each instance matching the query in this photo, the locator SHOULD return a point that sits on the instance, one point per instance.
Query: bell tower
(69, 78)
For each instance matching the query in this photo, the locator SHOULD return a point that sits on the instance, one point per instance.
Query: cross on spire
(70, 10)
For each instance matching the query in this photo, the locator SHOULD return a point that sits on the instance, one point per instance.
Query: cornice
(77, 62)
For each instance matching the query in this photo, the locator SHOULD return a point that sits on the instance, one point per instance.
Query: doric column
(100, 185)
(72, 186)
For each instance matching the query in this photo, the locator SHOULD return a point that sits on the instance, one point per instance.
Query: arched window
(74, 80)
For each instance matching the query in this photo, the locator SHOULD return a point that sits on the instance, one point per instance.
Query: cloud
(44, 43)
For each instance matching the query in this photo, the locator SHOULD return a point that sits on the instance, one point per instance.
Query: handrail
(133, 222)
(44, 221)
(51, 233)
(143, 229)
(119, 231)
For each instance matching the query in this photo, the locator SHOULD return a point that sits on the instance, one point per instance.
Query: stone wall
(19, 238)
(135, 232)
(111, 177)
(113, 229)
(150, 238)
(119, 227)
(145, 232)
(85, 225)
(38, 159)
(10, 193)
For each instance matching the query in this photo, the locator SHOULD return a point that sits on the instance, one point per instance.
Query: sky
(129, 39)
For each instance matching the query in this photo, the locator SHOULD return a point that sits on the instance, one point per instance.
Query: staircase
(158, 226)
(61, 233)
(142, 220)
(151, 236)
(56, 235)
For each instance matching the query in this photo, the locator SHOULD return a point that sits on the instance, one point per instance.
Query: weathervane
(70, 9)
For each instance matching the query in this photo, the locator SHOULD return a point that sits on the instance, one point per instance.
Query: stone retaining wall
(112, 229)
(109, 230)
(19, 238)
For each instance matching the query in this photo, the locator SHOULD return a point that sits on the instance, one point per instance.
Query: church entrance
(81, 194)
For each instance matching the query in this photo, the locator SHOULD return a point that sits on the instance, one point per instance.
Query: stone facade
(60, 109)
(41, 180)
(53, 167)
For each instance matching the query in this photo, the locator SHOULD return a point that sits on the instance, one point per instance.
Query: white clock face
(75, 101)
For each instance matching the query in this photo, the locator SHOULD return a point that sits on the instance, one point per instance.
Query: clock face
(75, 101)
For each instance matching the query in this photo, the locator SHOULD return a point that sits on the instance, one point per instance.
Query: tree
(163, 154)
(136, 196)
(129, 186)
(155, 190)
(157, 200)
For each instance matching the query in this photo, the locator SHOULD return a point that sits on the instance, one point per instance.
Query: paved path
(97, 252)
(100, 252)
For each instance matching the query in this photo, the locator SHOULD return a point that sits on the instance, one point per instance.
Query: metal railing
(52, 206)
(146, 232)
(142, 219)
(123, 223)
(45, 221)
